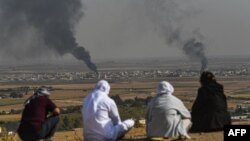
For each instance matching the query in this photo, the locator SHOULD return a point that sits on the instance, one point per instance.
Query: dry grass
(10, 117)
(75, 135)
(9, 107)
(138, 134)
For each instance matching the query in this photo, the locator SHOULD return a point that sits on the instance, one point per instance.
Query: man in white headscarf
(101, 118)
(166, 115)
(39, 117)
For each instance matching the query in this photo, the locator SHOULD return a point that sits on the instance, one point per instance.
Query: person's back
(165, 115)
(209, 111)
(34, 119)
(97, 120)
(101, 119)
(35, 113)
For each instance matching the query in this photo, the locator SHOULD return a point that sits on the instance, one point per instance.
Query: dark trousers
(47, 130)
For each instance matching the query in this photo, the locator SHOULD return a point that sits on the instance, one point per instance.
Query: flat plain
(66, 95)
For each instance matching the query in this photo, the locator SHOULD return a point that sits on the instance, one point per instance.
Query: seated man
(166, 115)
(39, 117)
(101, 120)
(209, 111)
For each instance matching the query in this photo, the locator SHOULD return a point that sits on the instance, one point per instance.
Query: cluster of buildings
(45, 76)
(116, 75)
(242, 111)
(238, 71)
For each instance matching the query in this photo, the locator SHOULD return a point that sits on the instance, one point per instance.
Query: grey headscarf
(165, 87)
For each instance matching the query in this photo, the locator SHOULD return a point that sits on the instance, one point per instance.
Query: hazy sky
(121, 29)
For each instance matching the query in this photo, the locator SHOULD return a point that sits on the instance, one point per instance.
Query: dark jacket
(34, 116)
(209, 111)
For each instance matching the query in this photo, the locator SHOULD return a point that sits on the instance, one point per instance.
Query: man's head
(103, 86)
(207, 77)
(165, 87)
(42, 91)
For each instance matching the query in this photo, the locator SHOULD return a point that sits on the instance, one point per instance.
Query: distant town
(243, 71)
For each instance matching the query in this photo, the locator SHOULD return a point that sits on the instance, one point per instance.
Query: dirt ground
(139, 134)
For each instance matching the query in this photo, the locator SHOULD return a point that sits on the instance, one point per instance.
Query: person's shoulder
(220, 85)
(202, 90)
(171, 98)
(110, 100)
(174, 98)
(45, 98)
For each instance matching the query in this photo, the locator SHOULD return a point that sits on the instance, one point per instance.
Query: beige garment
(167, 116)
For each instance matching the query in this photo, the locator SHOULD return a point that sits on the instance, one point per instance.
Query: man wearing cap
(101, 118)
(39, 117)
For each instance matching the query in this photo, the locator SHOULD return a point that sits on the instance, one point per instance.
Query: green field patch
(11, 101)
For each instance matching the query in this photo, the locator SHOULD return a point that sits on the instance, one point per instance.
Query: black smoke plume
(195, 50)
(168, 17)
(52, 20)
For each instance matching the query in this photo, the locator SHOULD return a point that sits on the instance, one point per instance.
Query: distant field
(16, 117)
(72, 94)
(11, 101)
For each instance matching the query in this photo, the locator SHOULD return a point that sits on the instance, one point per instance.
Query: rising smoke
(168, 16)
(52, 21)
(192, 48)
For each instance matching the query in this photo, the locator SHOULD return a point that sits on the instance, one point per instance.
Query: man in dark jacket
(39, 118)
(209, 111)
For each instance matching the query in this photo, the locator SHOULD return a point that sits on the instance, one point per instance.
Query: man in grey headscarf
(101, 119)
(166, 115)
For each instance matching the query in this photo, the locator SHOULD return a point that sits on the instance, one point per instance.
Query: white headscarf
(101, 118)
(42, 91)
(103, 86)
(165, 87)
